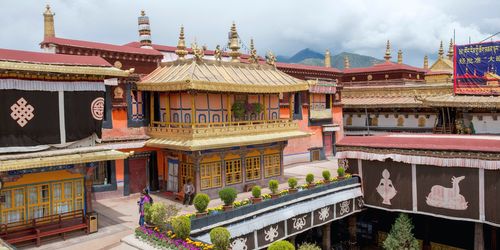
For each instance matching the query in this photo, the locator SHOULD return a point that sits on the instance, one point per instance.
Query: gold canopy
(210, 75)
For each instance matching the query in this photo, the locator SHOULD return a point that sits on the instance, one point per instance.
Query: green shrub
(326, 175)
(309, 178)
(281, 245)
(238, 109)
(309, 246)
(256, 192)
(159, 214)
(200, 202)
(341, 171)
(220, 238)
(401, 236)
(181, 226)
(228, 195)
(292, 183)
(273, 186)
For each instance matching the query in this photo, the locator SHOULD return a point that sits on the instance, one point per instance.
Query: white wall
(410, 122)
(488, 125)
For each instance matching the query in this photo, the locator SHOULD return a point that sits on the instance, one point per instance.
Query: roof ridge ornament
(426, 62)
(387, 56)
(400, 56)
(450, 50)
(328, 59)
(218, 53)
(346, 62)
(441, 50)
(198, 52)
(270, 58)
(254, 58)
(234, 44)
(181, 51)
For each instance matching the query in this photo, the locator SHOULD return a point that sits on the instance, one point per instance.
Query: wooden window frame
(207, 173)
(13, 208)
(41, 203)
(252, 168)
(233, 171)
(272, 165)
(186, 170)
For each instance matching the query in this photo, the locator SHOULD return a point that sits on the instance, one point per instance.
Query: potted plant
(256, 194)
(238, 109)
(292, 184)
(273, 186)
(340, 173)
(310, 181)
(200, 202)
(326, 176)
(228, 195)
(281, 245)
(220, 236)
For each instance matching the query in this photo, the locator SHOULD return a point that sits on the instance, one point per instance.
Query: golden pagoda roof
(468, 101)
(220, 76)
(196, 144)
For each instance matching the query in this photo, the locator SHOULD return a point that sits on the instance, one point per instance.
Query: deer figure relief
(449, 198)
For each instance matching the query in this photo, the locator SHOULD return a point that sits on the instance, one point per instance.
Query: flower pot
(311, 186)
(227, 208)
(326, 181)
(149, 226)
(274, 196)
(256, 200)
(340, 177)
(292, 190)
(198, 215)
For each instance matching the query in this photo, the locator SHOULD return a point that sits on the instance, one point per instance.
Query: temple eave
(219, 87)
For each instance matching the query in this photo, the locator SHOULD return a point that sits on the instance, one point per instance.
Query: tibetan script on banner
(477, 69)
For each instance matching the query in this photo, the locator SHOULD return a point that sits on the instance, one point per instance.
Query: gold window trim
(252, 168)
(272, 165)
(208, 178)
(233, 171)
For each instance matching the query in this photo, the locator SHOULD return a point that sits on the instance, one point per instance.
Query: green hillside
(311, 57)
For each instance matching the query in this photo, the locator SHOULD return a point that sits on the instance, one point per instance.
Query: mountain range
(310, 57)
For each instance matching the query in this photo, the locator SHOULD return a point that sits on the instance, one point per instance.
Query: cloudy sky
(283, 26)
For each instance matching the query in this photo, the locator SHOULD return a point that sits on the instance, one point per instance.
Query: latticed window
(38, 201)
(272, 165)
(13, 207)
(233, 171)
(210, 175)
(186, 172)
(137, 103)
(62, 197)
(252, 165)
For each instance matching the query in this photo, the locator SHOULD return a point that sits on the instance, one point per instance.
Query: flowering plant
(168, 240)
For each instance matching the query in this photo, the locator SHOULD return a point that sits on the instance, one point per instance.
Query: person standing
(144, 199)
(188, 193)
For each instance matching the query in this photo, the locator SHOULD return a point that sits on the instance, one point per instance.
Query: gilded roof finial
(181, 46)
(346, 62)
(441, 50)
(143, 13)
(400, 57)
(48, 23)
(387, 56)
(270, 58)
(426, 62)
(198, 52)
(253, 53)
(218, 53)
(450, 50)
(234, 44)
(328, 59)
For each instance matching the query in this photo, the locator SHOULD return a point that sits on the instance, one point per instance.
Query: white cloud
(285, 26)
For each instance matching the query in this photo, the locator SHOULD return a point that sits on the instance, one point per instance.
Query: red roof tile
(100, 46)
(426, 142)
(385, 66)
(49, 58)
(306, 67)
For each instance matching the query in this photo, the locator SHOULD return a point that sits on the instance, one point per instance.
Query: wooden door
(173, 175)
(328, 143)
(138, 175)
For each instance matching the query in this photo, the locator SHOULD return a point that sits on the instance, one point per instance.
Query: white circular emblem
(97, 108)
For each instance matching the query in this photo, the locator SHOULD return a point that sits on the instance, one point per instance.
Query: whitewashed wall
(487, 125)
(391, 121)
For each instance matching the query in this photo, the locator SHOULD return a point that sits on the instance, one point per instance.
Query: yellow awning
(223, 142)
(26, 162)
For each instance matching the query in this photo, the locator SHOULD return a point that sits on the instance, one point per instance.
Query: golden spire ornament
(181, 51)
(234, 44)
(400, 57)
(48, 23)
(328, 59)
(426, 62)
(441, 50)
(270, 58)
(253, 53)
(218, 53)
(346, 62)
(450, 50)
(387, 55)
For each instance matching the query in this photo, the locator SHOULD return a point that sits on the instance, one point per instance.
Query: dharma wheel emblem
(22, 112)
(97, 108)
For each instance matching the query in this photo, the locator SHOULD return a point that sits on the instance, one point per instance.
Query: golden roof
(223, 141)
(211, 75)
(468, 101)
(63, 69)
(38, 160)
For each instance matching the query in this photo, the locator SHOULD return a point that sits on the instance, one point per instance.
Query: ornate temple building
(52, 116)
